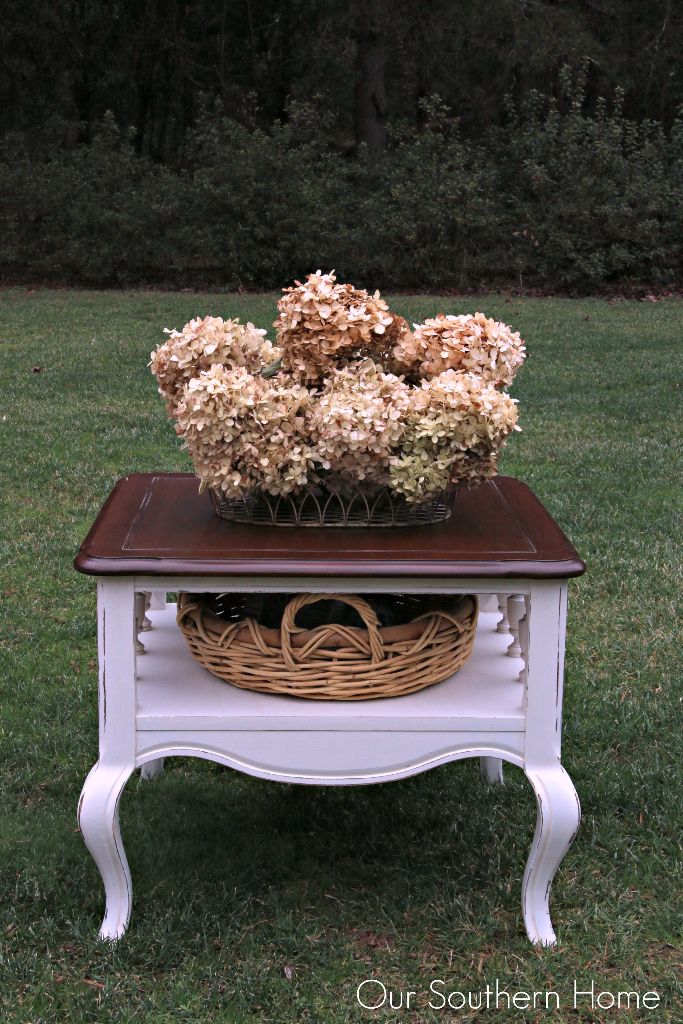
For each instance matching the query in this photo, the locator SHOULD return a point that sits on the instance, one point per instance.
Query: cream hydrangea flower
(336, 408)
(421, 471)
(454, 428)
(321, 323)
(472, 344)
(358, 421)
(200, 344)
(245, 433)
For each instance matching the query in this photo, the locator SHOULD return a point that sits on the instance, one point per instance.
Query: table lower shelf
(176, 694)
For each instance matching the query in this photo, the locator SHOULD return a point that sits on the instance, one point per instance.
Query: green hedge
(558, 198)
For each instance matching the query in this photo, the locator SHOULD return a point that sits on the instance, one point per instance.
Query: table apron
(330, 757)
(339, 584)
(180, 724)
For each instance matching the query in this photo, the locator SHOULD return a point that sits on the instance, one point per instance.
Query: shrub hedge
(558, 197)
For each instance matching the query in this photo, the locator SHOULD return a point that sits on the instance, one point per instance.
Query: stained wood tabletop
(159, 524)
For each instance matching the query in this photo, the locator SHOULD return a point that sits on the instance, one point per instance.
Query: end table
(156, 535)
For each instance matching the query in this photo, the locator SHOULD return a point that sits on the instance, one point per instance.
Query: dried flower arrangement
(348, 398)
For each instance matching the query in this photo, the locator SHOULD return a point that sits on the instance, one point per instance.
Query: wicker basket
(322, 506)
(332, 661)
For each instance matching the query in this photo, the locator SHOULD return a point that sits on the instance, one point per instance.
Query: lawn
(261, 902)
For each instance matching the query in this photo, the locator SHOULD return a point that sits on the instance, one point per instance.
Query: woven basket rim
(463, 607)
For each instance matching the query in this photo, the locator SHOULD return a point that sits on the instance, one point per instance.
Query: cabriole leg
(491, 769)
(557, 821)
(150, 769)
(98, 819)
(98, 809)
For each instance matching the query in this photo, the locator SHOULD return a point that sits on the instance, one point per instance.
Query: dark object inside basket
(391, 609)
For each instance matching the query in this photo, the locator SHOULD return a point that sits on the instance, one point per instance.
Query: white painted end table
(156, 535)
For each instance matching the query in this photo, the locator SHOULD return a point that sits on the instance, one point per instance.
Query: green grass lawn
(261, 902)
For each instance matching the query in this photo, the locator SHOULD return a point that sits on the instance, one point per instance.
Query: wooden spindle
(516, 609)
(139, 619)
(524, 641)
(503, 625)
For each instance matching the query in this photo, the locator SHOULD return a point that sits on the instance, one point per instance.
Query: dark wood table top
(158, 524)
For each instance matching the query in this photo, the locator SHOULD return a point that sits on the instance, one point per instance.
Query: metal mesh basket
(319, 506)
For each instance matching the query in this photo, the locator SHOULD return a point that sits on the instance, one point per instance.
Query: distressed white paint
(173, 707)
(557, 821)
(319, 757)
(98, 808)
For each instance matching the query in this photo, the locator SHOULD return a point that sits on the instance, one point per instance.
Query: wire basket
(332, 655)
(321, 506)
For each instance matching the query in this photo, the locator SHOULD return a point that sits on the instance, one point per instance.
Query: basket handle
(288, 625)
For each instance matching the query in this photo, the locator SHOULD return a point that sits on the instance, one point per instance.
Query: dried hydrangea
(472, 344)
(455, 425)
(245, 433)
(358, 421)
(321, 323)
(423, 471)
(341, 411)
(200, 344)
(468, 410)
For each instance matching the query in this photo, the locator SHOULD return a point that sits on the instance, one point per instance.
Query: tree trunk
(370, 64)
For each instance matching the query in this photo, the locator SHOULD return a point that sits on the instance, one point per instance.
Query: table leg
(98, 818)
(557, 821)
(558, 808)
(150, 769)
(98, 809)
(491, 769)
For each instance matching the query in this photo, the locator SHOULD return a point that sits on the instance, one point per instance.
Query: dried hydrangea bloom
(358, 421)
(244, 432)
(342, 413)
(453, 430)
(321, 323)
(471, 344)
(467, 409)
(422, 472)
(200, 344)
(398, 337)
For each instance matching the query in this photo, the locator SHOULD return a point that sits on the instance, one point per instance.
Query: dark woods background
(445, 144)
